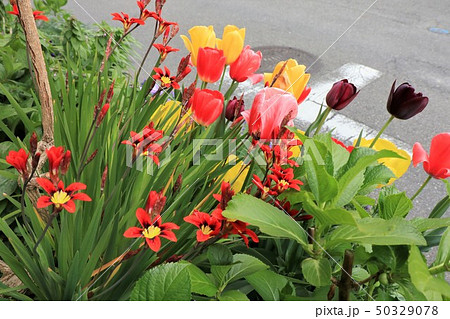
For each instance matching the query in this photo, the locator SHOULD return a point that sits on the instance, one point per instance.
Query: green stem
(421, 188)
(381, 131)
(440, 268)
(322, 121)
(50, 221)
(145, 58)
(223, 76)
(204, 84)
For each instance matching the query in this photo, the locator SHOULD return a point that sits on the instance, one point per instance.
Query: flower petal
(70, 206)
(154, 244)
(75, 187)
(46, 184)
(133, 232)
(143, 217)
(43, 201)
(81, 196)
(419, 154)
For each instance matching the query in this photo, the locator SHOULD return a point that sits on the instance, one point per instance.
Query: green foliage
(166, 282)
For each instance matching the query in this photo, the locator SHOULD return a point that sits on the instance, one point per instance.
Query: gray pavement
(393, 37)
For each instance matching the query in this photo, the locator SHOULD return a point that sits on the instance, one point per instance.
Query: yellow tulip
(201, 37)
(232, 43)
(293, 79)
(231, 176)
(398, 166)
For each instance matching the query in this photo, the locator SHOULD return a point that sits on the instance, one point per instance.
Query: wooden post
(26, 18)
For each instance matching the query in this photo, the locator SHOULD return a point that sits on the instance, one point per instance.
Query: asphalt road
(393, 37)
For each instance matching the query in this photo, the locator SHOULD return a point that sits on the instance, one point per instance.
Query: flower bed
(177, 191)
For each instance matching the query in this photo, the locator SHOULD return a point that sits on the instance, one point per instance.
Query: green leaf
(220, 255)
(433, 288)
(166, 282)
(441, 208)
(443, 254)
(328, 216)
(219, 272)
(423, 224)
(317, 271)
(377, 231)
(359, 274)
(374, 176)
(393, 257)
(200, 283)
(267, 284)
(233, 295)
(269, 219)
(323, 185)
(353, 178)
(243, 266)
(7, 186)
(394, 205)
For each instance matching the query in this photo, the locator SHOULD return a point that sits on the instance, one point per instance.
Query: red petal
(169, 235)
(47, 185)
(419, 154)
(143, 218)
(70, 206)
(75, 187)
(154, 244)
(81, 196)
(169, 226)
(202, 237)
(43, 201)
(133, 232)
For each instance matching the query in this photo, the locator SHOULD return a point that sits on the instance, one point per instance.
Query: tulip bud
(341, 94)
(404, 103)
(234, 108)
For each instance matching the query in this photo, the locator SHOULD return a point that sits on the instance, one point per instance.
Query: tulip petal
(419, 154)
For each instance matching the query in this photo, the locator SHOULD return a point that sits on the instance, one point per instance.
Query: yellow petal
(232, 175)
(232, 42)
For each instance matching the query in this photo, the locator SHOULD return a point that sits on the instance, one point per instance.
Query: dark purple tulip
(404, 103)
(234, 109)
(341, 94)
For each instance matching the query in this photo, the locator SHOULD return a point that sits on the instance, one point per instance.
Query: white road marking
(344, 128)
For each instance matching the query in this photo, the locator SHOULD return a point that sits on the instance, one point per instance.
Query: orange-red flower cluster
(145, 143)
(216, 224)
(38, 15)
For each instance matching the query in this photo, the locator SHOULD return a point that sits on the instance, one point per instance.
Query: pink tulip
(270, 108)
(246, 65)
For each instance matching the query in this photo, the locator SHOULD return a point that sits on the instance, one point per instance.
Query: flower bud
(341, 94)
(33, 143)
(64, 166)
(102, 114)
(104, 175)
(234, 109)
(404, 103)
(110, 92)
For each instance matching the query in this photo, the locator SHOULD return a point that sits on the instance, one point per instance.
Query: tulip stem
(381, 131)
(322, 121)
(421, 188)
(223, 76)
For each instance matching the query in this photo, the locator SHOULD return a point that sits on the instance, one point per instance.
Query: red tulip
(437, 164)
(210, 64)
(404, 103)
(341, 94)
(271, 108)
(207, 105)
(246, 65)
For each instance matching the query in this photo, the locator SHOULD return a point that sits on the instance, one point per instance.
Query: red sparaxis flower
(210, 64)
(145, 143)
(37, 14)
(437, 164)
(164, 50)
(208, 226)
(338, 142)
(19, 161)
(151, 230)
(55, 155)
(163, 25)
(207, 105)
(264, 188)
(284, 179)
(149, 14)
(60, 197)
(126, 21)
(246, 65)
(164, 77)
